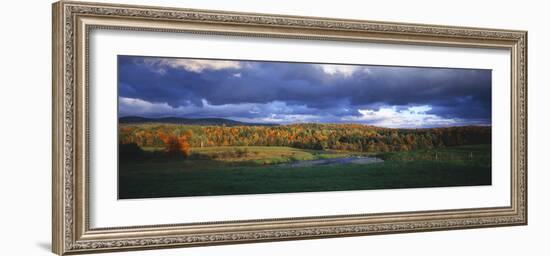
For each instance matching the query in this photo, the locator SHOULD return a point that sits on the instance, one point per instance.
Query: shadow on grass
(155, 174)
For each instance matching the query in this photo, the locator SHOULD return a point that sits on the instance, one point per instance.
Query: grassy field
(255, 155)
(254, 170)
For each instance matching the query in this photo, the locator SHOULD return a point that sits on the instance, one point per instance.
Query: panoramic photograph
(212, 127)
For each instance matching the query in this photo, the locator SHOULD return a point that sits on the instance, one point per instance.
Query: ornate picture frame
(72, 24)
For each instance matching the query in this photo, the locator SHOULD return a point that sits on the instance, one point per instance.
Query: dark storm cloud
(305, 89)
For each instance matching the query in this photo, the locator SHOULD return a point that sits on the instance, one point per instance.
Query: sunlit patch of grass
(260, 155)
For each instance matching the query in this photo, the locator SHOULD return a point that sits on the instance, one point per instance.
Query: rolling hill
(188, 121)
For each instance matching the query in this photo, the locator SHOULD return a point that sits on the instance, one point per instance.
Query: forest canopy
(348, 137)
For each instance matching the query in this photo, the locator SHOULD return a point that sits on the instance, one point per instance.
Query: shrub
(177, 145)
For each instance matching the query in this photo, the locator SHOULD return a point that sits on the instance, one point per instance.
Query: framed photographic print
(179, 127)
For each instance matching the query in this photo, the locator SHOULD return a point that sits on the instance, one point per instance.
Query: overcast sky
(280, 92)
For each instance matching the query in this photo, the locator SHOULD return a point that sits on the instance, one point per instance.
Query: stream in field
(335, 161)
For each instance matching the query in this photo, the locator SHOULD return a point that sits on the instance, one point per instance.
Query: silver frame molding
(72, 23)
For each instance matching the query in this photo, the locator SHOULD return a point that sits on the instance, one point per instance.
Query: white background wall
(25, 114)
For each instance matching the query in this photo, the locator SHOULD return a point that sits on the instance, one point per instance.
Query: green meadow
(233, 170)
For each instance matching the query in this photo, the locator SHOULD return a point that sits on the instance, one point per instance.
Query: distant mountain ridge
(182, 120)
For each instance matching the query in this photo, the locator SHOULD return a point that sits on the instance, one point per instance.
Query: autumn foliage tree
(176, 145)
(178, 139)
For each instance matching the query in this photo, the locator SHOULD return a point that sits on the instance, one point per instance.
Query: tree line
(349, 137)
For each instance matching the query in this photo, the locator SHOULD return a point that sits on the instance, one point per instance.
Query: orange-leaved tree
(176, 145)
